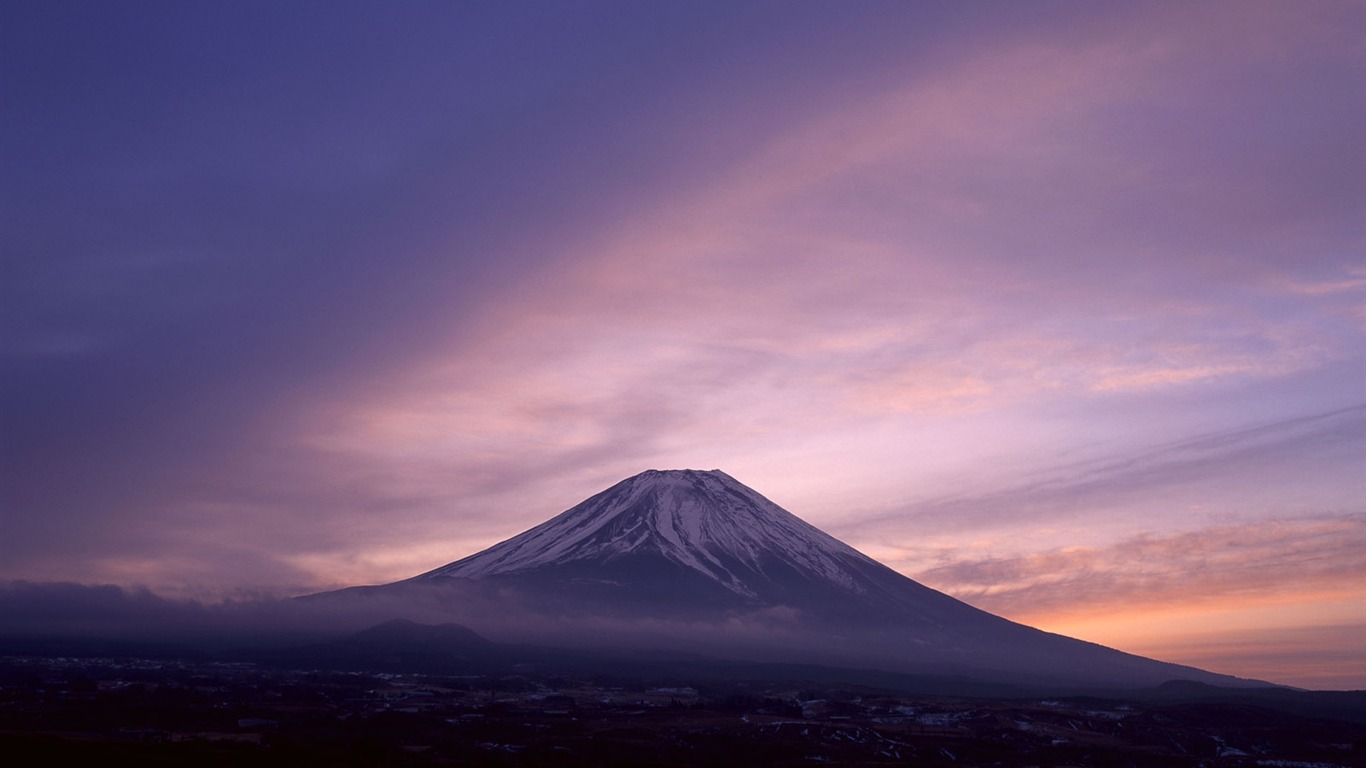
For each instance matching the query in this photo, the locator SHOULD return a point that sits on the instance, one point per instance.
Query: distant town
(159, 711)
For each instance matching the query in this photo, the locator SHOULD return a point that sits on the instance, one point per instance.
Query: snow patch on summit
(706, 521)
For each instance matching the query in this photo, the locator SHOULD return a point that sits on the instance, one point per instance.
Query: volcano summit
(704, 522)
(695, 559)
(692, 543)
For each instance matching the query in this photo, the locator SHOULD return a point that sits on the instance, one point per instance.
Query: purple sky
(1057, 307)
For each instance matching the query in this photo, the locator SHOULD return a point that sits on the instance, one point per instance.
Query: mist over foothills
(73, 611)
(1053, 309)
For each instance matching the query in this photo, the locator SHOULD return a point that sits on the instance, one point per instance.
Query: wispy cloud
(859, 274)
(1266, 600)
(1091, 487)
(1252, 561)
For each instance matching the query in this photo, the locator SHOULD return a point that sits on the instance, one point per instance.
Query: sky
(1057, 307)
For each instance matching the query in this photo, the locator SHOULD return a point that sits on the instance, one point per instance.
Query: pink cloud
(1216, 564)
(891, 283)
(1263, 600)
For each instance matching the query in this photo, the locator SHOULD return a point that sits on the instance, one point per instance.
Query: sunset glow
(1059, 309)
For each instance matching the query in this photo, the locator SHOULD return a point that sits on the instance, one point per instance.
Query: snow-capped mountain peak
(705, 521)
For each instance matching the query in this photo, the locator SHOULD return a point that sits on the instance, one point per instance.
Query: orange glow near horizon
(1264, 638)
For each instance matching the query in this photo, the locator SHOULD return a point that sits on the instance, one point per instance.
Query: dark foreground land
(166, 712)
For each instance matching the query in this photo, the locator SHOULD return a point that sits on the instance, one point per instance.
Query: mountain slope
(693, 559)
(695, 544)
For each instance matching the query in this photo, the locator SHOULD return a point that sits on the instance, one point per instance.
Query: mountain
(688, 559)
(705, 522)
(697, 544)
